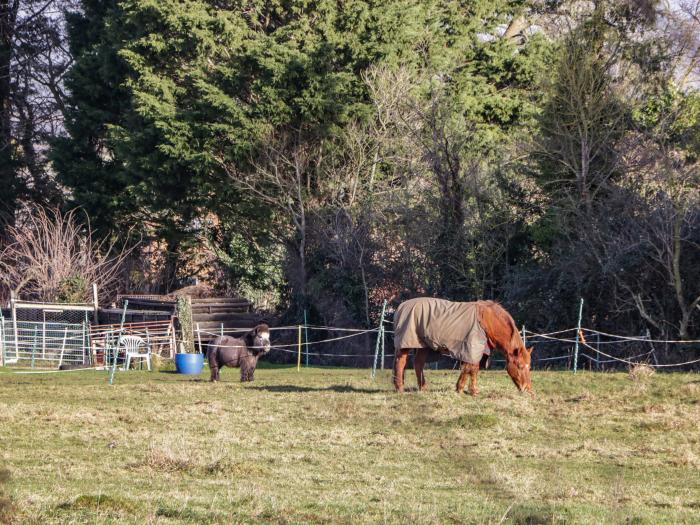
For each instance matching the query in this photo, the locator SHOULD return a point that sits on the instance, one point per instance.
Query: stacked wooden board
(209, 314)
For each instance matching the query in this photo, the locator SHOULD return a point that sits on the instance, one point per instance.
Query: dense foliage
(329, 155)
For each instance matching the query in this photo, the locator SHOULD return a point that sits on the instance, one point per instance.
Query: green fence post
(578, 336)
(380, 339)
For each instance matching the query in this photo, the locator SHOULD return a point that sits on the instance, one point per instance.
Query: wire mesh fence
(44, 344)
(158, 336)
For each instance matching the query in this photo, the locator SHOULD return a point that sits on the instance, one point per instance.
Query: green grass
(331, 446)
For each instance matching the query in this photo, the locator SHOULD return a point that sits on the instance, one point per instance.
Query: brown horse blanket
(443, 326)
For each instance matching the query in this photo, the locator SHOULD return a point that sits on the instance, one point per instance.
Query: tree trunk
(8, 178)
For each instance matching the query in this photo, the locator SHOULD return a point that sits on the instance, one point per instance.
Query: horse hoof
(474, 393)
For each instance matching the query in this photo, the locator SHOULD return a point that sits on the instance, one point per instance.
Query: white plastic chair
(134, 346)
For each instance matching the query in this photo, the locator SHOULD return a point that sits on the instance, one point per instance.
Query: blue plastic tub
(189, 363)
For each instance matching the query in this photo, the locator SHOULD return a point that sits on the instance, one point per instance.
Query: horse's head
(518, 367)
(261, 338)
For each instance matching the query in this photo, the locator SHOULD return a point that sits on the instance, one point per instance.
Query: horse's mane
(504, 317)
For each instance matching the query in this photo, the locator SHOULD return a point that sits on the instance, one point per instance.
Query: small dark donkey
(239, 352)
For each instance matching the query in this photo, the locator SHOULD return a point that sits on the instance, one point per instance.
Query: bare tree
(53, 257)
(280, 178)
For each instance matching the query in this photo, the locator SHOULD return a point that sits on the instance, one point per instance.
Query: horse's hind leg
(419, 365)
(400, 359)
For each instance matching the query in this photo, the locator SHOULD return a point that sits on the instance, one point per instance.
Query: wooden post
(95, 302)
(597, 354)
(578, 332)
(199, 338)
(173, 340)
(299, 349)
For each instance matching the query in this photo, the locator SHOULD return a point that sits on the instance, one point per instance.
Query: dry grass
(641, 372)
(331, 446)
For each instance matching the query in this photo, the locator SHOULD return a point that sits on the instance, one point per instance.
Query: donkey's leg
(247, 368)
(400, 359)
(213, 365)
(419, 365)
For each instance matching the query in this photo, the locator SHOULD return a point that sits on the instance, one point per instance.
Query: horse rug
(440, 325)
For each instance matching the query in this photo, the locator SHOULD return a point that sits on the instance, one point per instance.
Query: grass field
(331, 446)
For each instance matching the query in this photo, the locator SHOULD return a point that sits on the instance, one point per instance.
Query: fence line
(52, 342)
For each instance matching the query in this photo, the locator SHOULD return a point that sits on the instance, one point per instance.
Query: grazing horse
(239, 352)
(461, 330)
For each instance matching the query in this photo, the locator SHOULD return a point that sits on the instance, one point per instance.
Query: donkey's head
(260, 336)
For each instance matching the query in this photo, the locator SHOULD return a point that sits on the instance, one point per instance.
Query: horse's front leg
(470, 370)
(399, 367)
(473, 372)
(462, 378)
(419, 365)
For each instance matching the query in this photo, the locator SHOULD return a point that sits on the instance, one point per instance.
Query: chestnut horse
(501, 333)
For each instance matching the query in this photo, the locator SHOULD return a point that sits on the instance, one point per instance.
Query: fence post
(87, 347)
(199, 338)
(63, 346)
(524, 338)
(116, 348)
(651, 344)
(380, 339)
(34, 343)
(95, 303)
(14, 322)
(299, 348)
(578, 334)
(597, 354)
(306, 339)
(2, 339)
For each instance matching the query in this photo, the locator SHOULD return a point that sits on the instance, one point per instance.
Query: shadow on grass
(343, 389)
